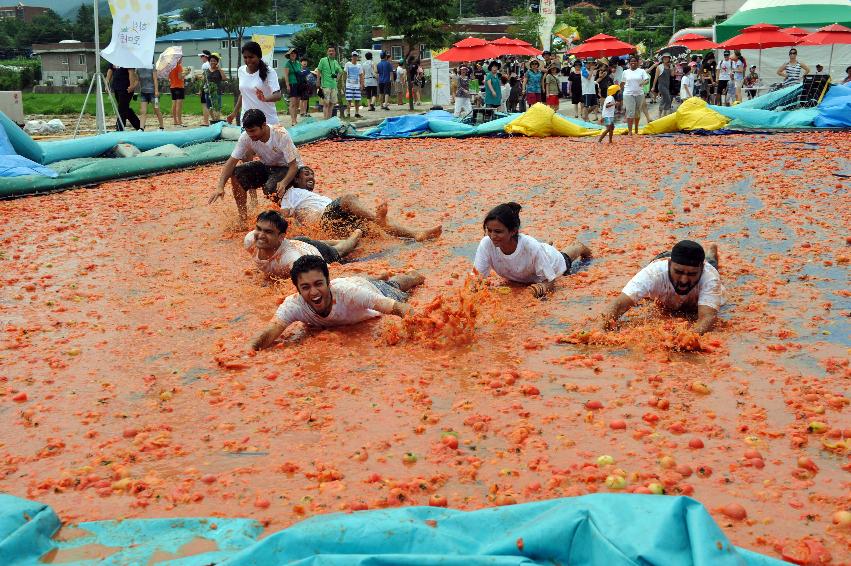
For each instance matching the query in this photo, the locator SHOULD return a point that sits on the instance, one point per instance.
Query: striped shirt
(793, 73)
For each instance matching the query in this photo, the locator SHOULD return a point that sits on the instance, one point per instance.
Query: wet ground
(126, 309)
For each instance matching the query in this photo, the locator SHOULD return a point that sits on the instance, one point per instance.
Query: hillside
(67, 8)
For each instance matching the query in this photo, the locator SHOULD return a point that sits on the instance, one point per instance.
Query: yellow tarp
(541, 121)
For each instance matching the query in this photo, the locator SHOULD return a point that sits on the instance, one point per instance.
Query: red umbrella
(508, 46)
(797, 32)
(470, 42)
(833, 34)
(602, 45)
(760, 36)
(478, 53)
(693, 42)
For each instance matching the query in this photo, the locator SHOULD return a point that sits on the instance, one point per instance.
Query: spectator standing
(205, 94)
(532, 83)
(505, 92)
(564, 81)
(589, 89)
(400, 83)
(123, 83)
(177, 85)
(687, 83)
(293, 81)
(149, 93)
(662, 85)
(327, 71)
(793, 71)
(385, 79)
(724, 75)
(551, 87)
(575, 79)
(751, 82)
(463, 106)
(354, 85)
(493, 86)
(632, 84)
(370, 80)
(740, 67)
(308, 82)
(213, 78)
(258, 85)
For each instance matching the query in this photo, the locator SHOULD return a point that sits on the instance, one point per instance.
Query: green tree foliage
(526, 27)
(310, 43)
(332, 18)
(235, 16)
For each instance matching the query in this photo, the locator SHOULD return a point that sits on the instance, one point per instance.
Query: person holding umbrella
(791, 71)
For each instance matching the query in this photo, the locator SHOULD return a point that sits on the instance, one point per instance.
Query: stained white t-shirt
(531, 262)
(282, 260)
(305, 205)
(589, 83)
(737, 70)
(652, 282)
(248, 82)
(370, 74)
(278, 151)
(609, 111)
(353, 300)
(632, 81)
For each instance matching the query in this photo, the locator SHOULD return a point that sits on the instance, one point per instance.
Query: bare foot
(584, 251)
(428, 234)
(381, 214)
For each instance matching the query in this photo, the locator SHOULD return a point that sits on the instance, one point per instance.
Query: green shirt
(327, 68)
(492, 80)
(293, 69)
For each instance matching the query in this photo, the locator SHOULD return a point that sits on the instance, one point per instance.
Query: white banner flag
(548, 20)
(439, 81)
(134, 31)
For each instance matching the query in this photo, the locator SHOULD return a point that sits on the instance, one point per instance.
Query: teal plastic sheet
(767, 119)
(593, 530)
(85, 170)
(14, 165)
(435, 127)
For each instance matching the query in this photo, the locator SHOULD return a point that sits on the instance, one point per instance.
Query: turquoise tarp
(765, 119)
(835, 108)
(593, 530)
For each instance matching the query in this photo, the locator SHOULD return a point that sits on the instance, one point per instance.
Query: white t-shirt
(282, 260)
(248, 82)
(589, 84)
(400, 74)
(305, 205)
(652, 282)
(618, 74)
(354, 300)
(353, 71)
(632, 80)
(205, 66)
(370, 73)
(609, 111)
(279, 151)
(531, 262)
(724, 69)
(738, 70)
(687, 81)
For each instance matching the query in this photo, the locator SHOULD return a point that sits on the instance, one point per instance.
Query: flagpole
(100, 120)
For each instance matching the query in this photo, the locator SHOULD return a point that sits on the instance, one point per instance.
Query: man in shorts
(385, 79)
(725, 75)
(327, 72)
(274, 254)
(341, 215)
(322, 302)
(684, 279)
(632, 85)
(277, 167)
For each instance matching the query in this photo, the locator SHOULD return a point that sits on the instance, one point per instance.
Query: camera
(334, 76)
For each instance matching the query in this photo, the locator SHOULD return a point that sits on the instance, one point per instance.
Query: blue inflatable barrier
(593, 530)
(757, 118)
(835, 108)
(14, 165)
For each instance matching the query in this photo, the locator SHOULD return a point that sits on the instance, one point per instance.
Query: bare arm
(227, 172)
(236, 108)
(389, 306)
(616, 310)
(805, 68)
(705, 319)
(292, 169)
(268, 336)
(108, 79)
(782, 70)
(134, 80)
(541, 290)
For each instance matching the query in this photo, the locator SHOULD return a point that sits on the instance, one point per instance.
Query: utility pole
(674, 23)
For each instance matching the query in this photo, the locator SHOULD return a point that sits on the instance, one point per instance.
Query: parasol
(693, 42)
(759, 36)
(833, 34)
(477, 53)
(602, 45)
(168, 60)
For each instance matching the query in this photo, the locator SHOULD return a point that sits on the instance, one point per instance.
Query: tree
(163, 26)
(423, 22)
(310, 43)
(332, 20)
(235, 16)
(48, 27)
(527, 25)
(580, 21)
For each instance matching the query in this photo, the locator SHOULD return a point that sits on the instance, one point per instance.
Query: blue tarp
(14, 165)
(835, 108)
(593, 530)
(757, 118)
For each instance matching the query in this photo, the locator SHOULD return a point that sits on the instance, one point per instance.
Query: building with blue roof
(215, 40)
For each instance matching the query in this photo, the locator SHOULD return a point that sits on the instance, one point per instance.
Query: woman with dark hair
(520, 258)
(258, 85)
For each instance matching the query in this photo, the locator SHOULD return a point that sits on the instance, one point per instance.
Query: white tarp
(134, 31)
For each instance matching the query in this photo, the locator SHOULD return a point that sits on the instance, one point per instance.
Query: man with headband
(683, 279)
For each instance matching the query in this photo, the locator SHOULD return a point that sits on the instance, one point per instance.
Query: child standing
(551, 87)
(609, 113)
(463, 105)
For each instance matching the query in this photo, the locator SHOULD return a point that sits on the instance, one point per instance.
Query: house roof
(219, 33)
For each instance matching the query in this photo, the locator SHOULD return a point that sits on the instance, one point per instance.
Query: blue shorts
(608, 121)
(390, 289)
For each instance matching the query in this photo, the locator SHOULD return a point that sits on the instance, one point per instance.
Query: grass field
(72, 103)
